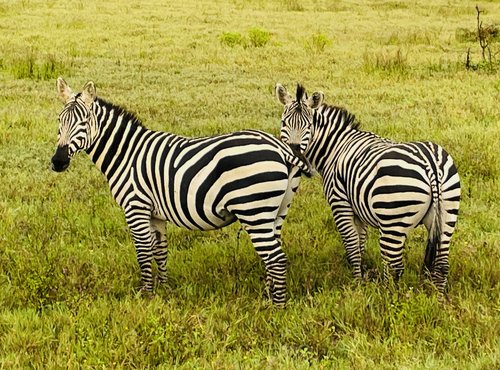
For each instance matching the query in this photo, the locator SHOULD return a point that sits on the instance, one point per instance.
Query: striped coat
(372, 181)
(199, 184)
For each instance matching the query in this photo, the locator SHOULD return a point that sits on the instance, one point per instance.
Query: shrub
(258, 37)
(318, 42)
(231, 39)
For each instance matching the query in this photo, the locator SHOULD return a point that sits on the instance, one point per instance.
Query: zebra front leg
(345, 220)
(158, 228)
(139, 222)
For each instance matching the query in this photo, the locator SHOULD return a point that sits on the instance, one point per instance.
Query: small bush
(485, 35)
(231, 39)
(318, 42)
(258, 37)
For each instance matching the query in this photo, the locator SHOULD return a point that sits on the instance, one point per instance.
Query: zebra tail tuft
(431, 250)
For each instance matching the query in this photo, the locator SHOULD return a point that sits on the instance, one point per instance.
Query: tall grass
(34, 65)
(390, 62)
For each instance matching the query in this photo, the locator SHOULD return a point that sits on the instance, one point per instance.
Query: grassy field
(68, 273)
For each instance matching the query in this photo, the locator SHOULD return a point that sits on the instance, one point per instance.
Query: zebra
(372, 181)
(195, 183)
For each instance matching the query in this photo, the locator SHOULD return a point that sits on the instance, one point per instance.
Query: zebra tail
(435, 231)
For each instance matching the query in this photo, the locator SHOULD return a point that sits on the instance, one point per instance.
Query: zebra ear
(63, 90)
(315, 100)
(88, 93)
(282, 95)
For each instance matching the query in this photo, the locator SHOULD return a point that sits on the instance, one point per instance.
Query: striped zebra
(199, 184)
(372, 181)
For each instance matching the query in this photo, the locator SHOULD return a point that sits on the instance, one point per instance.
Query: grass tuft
(33, 65)
(256, 38)
(386, 61)
(318, 42)
(293, 5)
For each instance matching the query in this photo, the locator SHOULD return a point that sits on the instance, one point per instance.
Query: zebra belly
(186, 218)
(211, 197)
(224, 218)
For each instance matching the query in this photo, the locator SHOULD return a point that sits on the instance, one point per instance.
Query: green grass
(68, 273)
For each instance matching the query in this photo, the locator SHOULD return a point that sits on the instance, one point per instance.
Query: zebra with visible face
(199, 184)
(372, 181)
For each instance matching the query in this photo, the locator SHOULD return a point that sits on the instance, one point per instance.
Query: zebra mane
(300, 92)
(127, 115)
(348, 117)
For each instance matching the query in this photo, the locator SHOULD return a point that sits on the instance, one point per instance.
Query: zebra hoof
(162, 281)
(146, 293)
(280, 305)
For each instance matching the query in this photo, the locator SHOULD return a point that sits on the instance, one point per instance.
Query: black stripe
(394, 189)
(396, 204)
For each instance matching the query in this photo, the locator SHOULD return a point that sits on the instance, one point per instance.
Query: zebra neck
(332, 135)
(117, 138)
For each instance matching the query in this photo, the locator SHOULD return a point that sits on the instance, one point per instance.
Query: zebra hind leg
(158, 228)
(391, 248)
(440, 266)
(276, 279)
(362, 231)
(269, 249)
(436, 259)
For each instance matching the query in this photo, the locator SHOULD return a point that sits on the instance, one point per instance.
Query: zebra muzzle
(295, 148)
(60, 160)
(298, 153)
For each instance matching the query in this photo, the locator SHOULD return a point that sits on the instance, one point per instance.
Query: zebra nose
(60, 160)
(295, 148)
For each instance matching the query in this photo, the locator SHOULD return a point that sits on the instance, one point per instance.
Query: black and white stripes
(372, 181)
(198, 184)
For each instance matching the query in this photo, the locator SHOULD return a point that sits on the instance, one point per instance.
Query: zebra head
(297, 117)
(76, 123)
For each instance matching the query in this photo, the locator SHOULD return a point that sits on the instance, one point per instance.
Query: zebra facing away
(199, 184)
(372, 181)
